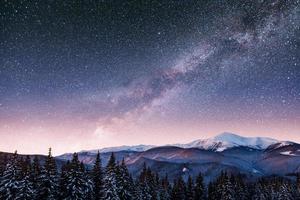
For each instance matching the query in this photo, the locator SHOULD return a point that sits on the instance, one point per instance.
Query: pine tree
(225, 188)
(36, 168)
(296, 187)
(179, 190)
(199, 191)
(144, 189)
(97, 176)
(239, 187)
(35, 173)
(63, 180)
(148, 185)
(124, 182)
(11, 179)
(3, 163)
(48, 179)
(260, 192)
(26, 189)
(78, 185)
(211, 193)
(150, 181)
(285, 191)
(189, 195)
(110, 181)
(165, 191)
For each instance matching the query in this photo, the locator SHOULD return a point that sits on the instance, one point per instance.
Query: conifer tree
(224, 187)
(63, 180)
(3, 163)
(48, 179)
(26, 188)
(189, 195)
(11, 179)
(285, 191)
(179, 189)
(36, 168)
(239, 187)
(78, 185)
(211, 191)
(296, 187)
(150, 181)
(199, 191)
(35, 172)
(124, 182)
(144, 189)
(110, 181)
(165, 191)
(97, 176)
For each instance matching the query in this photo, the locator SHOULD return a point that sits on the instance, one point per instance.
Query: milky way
(104, 73)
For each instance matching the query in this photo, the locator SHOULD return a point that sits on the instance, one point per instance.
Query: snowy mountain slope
(253, 156)
(229, 140)
(137, 148)
(218, 143)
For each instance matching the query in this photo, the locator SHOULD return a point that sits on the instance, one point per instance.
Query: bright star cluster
(89, 74)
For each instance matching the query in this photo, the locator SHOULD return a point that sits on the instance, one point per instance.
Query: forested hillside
(26, 178)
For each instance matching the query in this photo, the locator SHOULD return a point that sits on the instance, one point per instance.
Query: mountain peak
(237, 140)
(227, 136)
(228, 140)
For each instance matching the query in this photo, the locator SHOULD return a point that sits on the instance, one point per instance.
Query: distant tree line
(26, 179)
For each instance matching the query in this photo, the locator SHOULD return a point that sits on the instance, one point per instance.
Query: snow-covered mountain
(218, 143)
(252, 156)
(137, 148)
(228, 140)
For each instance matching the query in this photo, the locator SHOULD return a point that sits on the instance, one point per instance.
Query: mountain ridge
(252, 156)
(219, 142)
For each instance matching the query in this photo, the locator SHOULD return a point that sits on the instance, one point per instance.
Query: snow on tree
(124, 182)
(239, 187)
(35, 172)
(110, 180)
(11, 179)
(222, 188)
(48, 179)
(26, 189)
(78, 186)
(285, 192)
(146, 184)
(97, 177)
(226, 189)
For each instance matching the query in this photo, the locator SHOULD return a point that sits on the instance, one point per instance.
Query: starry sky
(87, 74)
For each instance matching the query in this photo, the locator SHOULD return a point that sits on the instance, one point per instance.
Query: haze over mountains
(252, 156)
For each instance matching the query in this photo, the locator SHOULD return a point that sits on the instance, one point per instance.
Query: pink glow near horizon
(37, 139)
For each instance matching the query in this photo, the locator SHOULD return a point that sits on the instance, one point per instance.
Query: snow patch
(185, 169)
(287, 153)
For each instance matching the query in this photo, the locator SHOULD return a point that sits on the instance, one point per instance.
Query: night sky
(88, 74)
